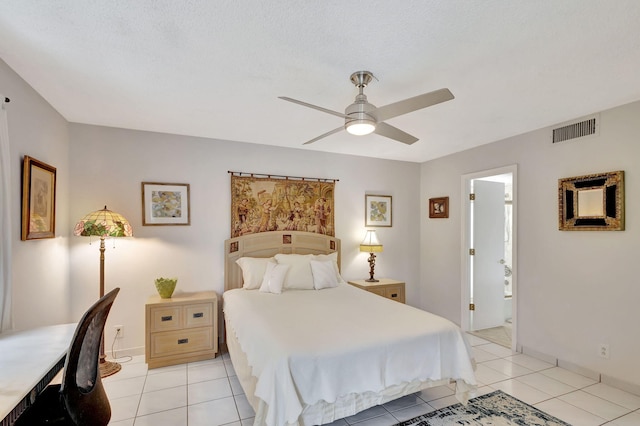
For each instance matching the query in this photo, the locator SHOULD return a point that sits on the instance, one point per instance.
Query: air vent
(576, 130)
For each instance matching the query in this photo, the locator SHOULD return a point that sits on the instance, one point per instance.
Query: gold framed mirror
(592, 202)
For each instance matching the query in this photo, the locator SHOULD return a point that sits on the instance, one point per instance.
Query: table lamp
(104, 223)
(371, 245)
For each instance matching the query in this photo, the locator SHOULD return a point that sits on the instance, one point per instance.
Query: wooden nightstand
(386, 287)
(181, 329)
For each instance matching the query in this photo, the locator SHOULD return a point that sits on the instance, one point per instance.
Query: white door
(487, 291)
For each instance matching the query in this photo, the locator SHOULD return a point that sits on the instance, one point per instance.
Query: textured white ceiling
(215, 68)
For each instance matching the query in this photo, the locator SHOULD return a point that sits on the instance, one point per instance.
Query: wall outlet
(119, 330)
(603, 350)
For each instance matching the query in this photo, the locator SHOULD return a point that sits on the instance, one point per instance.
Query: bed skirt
(321, 412)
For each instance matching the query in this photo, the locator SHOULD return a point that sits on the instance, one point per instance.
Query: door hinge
(472, 252)
(472, 307)
(472, 197)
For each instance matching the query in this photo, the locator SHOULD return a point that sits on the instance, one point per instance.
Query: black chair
(80, 399)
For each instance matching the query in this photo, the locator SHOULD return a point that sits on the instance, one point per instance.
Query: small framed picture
(439, 207)
(377, 210)
(38, 200)
(165, 204)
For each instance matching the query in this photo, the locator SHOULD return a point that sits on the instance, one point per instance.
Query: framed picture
(377, 210)
(38, 200)
(439, 208)
(591, 202)
(165, 204)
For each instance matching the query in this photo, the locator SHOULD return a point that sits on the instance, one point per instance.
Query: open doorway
(489, 255)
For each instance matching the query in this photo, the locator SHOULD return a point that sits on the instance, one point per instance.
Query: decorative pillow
(324, 275)
(274, 278)
(299, 276)
(333, 257)
(253, 269)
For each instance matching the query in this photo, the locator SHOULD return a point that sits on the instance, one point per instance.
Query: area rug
(493, 409)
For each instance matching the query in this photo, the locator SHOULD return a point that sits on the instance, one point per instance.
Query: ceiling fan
(363, 118)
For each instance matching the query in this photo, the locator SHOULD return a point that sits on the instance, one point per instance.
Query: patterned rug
(493, 409)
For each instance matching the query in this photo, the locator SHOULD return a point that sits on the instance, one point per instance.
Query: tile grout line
(582, 388)
(551, 378)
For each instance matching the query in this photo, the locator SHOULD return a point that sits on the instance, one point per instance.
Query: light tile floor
(500, 335)
(208, 393)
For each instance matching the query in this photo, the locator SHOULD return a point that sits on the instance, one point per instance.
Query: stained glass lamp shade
(104, 223)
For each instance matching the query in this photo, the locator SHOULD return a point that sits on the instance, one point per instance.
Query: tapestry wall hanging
(263, 203)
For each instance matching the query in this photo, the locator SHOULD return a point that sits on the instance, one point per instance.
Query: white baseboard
(539, 355)
(594, 375)
(126, 352)
(620, 384)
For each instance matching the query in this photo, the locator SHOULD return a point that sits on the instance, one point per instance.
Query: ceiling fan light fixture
(362, 118)
(360, 127)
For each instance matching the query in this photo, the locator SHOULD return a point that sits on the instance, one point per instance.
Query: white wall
(108, 166)
(575, 289)
(40, 268)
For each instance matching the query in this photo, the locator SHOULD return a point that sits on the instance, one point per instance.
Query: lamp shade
(360, 127)
(371, 244)
(103, 223)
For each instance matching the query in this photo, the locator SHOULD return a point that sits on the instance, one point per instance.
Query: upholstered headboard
(267, 244)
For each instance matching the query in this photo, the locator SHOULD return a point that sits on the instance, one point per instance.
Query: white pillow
(299, 276)
(333, 257)
(253, 269)
(324, 275)
(273, 278)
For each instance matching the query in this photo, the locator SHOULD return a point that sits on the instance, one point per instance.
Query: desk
(28, 361)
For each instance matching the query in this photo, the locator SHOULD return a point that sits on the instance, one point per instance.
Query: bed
(309, 356)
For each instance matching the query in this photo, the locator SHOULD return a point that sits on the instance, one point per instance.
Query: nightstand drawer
(198, 315)
(181, 341)
(379, 291)
(166, 318)
(395, 292)
(385, 287)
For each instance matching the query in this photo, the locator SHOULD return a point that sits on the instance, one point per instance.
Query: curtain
(6, 322)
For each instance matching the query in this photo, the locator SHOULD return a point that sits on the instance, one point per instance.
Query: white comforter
(306, 346)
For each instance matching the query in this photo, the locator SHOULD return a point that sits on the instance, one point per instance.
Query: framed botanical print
(165, 204)
(377, 210)
(38, 199)
(439, 208)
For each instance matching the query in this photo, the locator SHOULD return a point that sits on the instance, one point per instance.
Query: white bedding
(307, 346)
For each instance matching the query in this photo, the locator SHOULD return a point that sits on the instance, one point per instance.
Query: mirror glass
(590, 202)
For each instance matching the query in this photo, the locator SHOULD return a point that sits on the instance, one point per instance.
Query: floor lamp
(104, 223)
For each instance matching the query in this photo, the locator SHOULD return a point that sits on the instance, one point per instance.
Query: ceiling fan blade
(412, 104)
(324, 135)
(386, 130)
(328, 111)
